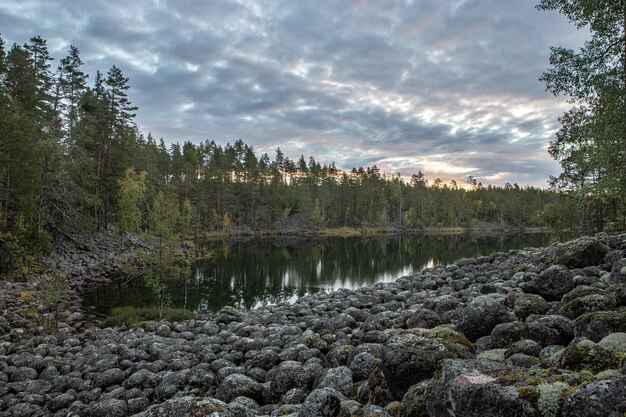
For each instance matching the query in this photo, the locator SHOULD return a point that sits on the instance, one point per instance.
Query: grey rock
(361, 365)
(22, 373)
(422, 317)
(480, 316)
(579, 253)
(340, 321)
(526, 304)
(468, 388)
(5, 326)
(615, 342)
(618, 272)
(588, 355)
(135, 405)
(143, 378)
(551, 284)
(60, 401)
(413, 404)
(526, 346)
(599, 324)
(190, 407)
(443, 303)
(551, 330)
(338, 356)
(25, 410)
(108, 408)
(581, 291)
(505, 334)
(598, 399)
(587, 304)
(228, 315)
(294, 396)
(323, 402)
(236, 385)
(285, 376)
(521, 360)
(109, 377)
(410, 358)
(339, 378)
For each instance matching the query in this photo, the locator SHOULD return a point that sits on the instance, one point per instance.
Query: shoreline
(370, 231)
(488, 333)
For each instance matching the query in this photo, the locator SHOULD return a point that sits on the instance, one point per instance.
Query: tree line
(72, 159)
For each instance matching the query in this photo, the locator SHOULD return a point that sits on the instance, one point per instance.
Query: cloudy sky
(446, 87)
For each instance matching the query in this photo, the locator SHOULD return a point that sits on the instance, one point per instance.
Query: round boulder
(551, 284)
(551, 330)
(480, 316)
(410, 358)
(236, 385)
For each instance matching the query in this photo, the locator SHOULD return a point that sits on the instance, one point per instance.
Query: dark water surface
(247, 273)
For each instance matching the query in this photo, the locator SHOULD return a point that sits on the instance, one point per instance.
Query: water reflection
(247, 273)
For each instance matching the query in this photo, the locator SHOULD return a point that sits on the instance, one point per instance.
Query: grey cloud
(359, 83)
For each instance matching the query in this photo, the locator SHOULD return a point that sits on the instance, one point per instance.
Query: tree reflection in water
(247, 273)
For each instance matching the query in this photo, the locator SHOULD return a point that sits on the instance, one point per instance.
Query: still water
(247, 273)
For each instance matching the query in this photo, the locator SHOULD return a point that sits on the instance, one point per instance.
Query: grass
(132, 315)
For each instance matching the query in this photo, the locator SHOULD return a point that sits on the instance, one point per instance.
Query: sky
(446, 87)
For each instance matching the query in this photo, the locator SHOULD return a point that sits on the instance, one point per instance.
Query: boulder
(361, 365)
(480, 316)
(599, 399)
(505, 334)
(339, 378)
(551, 330)
(236, 385)
(413, 404)
(590, 356)
(578, 253)
(108, 408)
(411, 358)
(618, 272)
(322, 402)
(526, 304)
(551, 284)
(587, 304)
(422, 317)
(113, 376)
(190, 407)
(615, 342)
(287, 375)
(469, 388)
(598, 324)
(227, 315)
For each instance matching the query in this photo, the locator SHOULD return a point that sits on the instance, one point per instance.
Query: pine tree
(591, 143)
(72, 85)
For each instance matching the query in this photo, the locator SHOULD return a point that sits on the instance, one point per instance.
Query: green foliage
(590, 143)
(166, 259)
(66, 146)
(54, 288)
(316, 215)
(185, 216)
(226, 222)
(131, 195)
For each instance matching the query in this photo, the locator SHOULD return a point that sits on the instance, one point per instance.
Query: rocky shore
(76, 265)
(534, 332)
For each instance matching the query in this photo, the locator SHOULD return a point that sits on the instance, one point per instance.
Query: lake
(246, 273)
